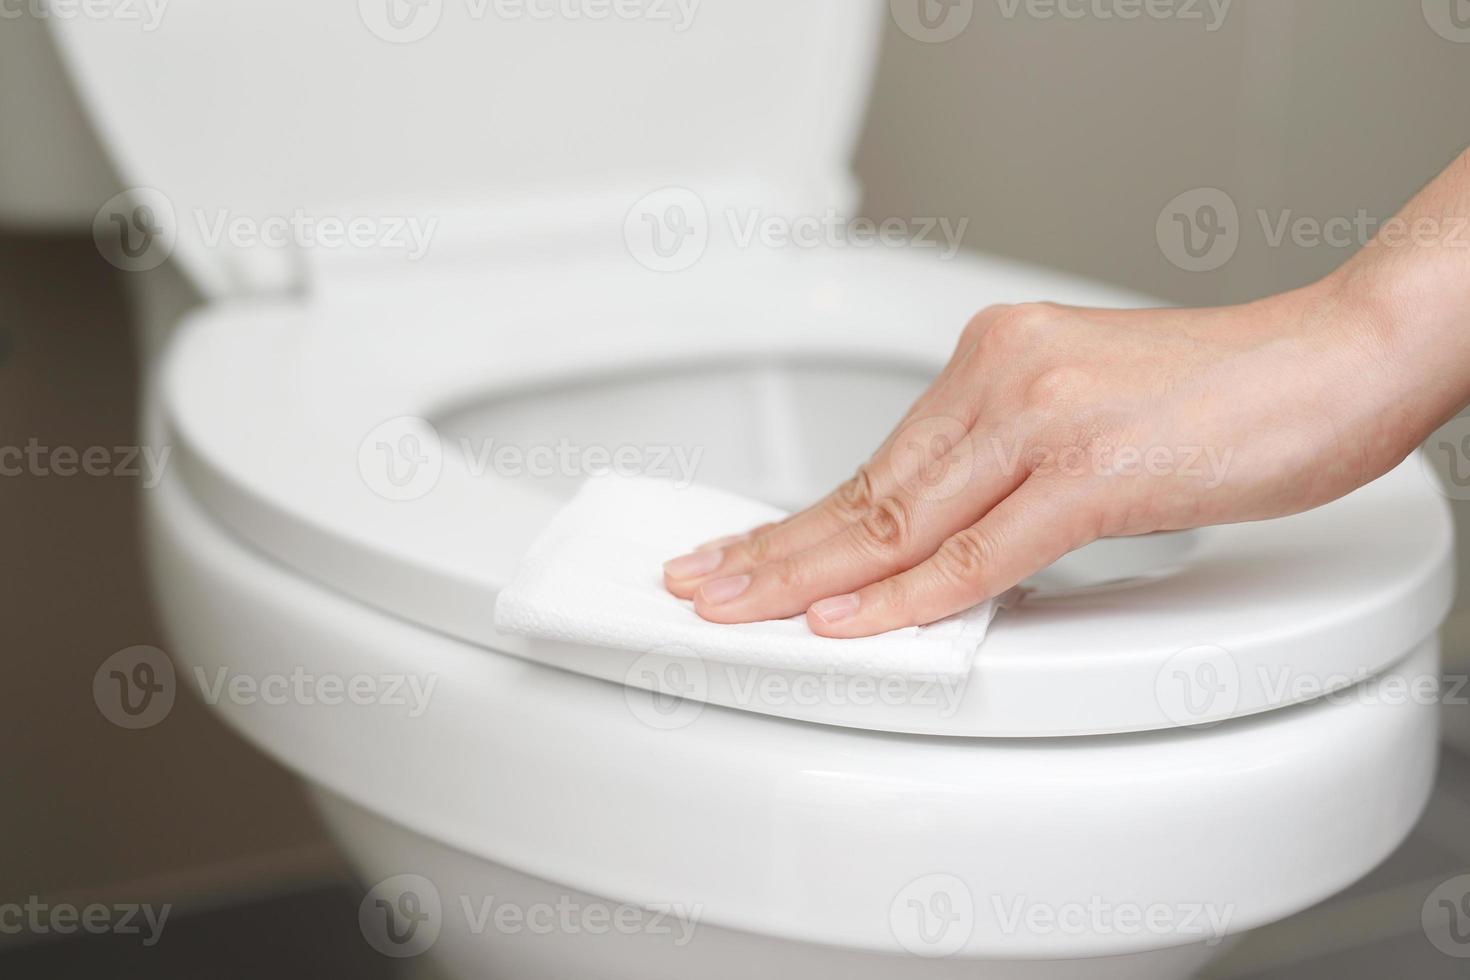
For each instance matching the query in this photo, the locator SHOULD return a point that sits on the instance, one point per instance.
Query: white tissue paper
(595, 577)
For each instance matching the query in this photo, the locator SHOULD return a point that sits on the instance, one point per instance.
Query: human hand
(1054, 426)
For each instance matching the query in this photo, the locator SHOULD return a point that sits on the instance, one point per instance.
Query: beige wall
(1061, 140)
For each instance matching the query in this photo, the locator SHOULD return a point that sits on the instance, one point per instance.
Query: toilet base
(495, 922)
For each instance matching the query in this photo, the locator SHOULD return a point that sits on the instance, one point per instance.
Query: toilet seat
(809, 833)
(1261, 615)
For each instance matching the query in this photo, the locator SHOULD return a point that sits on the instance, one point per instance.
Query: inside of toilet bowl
(782, 431)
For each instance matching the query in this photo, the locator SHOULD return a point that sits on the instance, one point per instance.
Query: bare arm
(1052, 426)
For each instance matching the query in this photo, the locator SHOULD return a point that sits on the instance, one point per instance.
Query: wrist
(1401, 309)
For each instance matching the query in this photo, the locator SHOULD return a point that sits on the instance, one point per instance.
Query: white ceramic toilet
(1167, 743)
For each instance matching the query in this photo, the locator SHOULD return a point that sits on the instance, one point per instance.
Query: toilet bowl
(1137, 771)
(734, 839)
(1166, 743)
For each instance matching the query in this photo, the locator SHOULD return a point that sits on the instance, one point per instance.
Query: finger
(937, 418)
(898, 532)
(730, 539)
(683, 576)
(906, 461)
(1027, 531)
(797, 531)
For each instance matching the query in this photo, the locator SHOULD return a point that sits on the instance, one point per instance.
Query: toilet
(1165, 743)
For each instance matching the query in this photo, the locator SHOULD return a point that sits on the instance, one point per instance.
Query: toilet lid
(284, 419)
(258, 133)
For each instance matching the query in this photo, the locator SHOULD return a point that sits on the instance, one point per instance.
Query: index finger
(904, 463)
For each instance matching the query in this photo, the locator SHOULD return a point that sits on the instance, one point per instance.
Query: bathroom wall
(1062, 139)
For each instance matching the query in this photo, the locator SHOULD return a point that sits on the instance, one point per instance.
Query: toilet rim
(824, 829)
(272, 407)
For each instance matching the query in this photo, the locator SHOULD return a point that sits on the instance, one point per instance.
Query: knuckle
(1057, 388)
(855, 497)
(1019, 327)
(980, 322)
(757, 550)
(887, 527)
(966, 558)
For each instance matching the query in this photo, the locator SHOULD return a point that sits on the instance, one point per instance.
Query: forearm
(1409, 291)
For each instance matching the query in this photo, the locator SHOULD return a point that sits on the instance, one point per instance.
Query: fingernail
(729, 539)
(694, 565)
(836, 609)
(723, 589)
